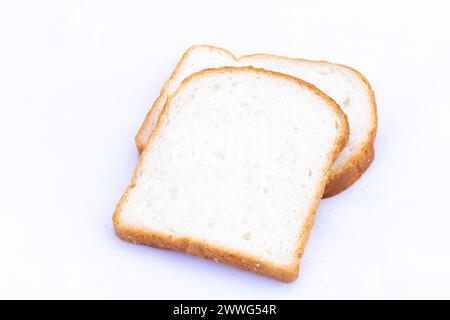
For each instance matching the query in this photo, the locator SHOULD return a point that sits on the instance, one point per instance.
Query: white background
(77, 78)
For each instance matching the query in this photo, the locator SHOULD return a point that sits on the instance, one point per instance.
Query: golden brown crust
(219, 254)
(338, 181)
(207, 251)
(352, 173)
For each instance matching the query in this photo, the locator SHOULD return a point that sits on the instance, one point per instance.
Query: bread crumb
(346, 102)
(247, 236)
(173, 191)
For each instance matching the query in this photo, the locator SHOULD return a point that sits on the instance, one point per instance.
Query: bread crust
(219, 254)
(361, 160)
(338, 181)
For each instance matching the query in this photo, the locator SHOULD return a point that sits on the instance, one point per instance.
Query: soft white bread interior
(235, 169)
(345, 85)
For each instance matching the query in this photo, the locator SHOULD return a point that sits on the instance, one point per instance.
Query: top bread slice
(345, 85)
(235, 169)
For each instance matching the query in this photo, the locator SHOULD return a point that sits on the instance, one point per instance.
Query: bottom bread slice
(235, 169)
(349, 88)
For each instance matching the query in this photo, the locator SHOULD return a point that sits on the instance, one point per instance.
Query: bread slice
(345, 85)
(235, 169)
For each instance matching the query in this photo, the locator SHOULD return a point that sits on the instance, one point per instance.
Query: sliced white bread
(235, 169)
(345, 85)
